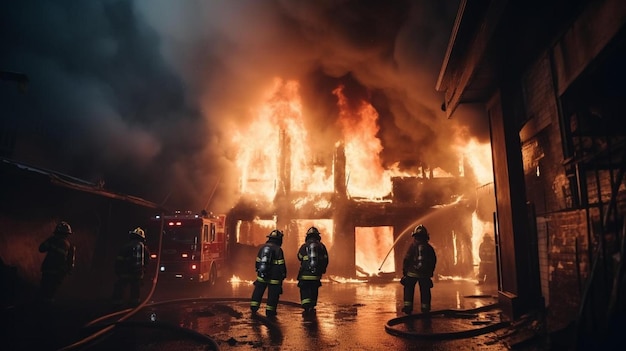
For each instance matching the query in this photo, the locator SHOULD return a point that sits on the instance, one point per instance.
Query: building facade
(550, 76)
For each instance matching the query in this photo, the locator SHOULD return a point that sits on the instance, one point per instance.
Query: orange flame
(279, 116)
(365, 175)
(278, 126)
(279, 123)
(478, 156)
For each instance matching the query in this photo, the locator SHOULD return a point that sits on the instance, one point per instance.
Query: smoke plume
(145, 94)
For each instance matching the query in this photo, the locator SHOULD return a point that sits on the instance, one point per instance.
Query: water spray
(408, 230)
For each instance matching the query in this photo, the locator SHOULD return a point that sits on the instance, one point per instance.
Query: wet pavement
(351, 315)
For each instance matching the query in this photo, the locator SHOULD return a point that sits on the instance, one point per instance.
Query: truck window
(205, 233)
(212, 232)
(181, 235)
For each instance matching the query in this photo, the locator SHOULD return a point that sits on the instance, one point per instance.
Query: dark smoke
(145, 94)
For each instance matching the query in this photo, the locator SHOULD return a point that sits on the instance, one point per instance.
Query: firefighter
(313, 258)
(59, 261)
(487, 254)
(417, 268)
(131, 263)
(271, 271)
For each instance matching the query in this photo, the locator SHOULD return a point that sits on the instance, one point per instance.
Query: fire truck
(194, 247)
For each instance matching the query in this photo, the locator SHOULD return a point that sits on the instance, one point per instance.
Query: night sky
(144, 94)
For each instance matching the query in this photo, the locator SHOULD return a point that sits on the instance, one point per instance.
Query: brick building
(550, 75)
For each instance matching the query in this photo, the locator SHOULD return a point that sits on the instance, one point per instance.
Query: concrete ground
(351, 315)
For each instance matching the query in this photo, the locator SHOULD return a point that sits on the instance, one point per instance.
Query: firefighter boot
(270, 313)
(307, 308)
(254, 306)
(408, 307)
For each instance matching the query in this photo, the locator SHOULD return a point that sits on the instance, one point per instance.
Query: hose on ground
(468, 333)
(103, 332)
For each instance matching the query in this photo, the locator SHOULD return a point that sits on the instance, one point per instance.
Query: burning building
(364, 210)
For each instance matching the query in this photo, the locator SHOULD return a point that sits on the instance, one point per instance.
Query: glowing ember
(454, 278)
(343, 280)
(235, 279)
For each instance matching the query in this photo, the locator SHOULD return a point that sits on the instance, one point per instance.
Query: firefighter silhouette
(313, 258)
(487, 266)
(131, 263)
(59, 261)
(418, 267)
(271, 271)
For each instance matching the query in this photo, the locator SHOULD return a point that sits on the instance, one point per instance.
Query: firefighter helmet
(313, 232)
(139, 232)
(420, 232)
(275, 234)
(63, 228)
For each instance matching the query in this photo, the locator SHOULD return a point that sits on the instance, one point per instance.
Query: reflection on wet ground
(351, 315)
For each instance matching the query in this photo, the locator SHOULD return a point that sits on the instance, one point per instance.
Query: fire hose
(128, 312)
(460, 314)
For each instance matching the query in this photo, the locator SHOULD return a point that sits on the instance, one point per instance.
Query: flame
(453, 278)
(365, 175)
(278, 129)
(278, 123)
(275, 145)
(254, 232)
(343, 280)
(479, 228)
(372, 244)
(235, 280)
(478, 156)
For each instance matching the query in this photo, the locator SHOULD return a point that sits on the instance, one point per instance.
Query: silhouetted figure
(313, 258)
(418, 267)
(131, 263)
(59, 261)
(487, 266)
(271, 271)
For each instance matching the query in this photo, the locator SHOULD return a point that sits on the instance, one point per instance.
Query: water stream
(409, 229)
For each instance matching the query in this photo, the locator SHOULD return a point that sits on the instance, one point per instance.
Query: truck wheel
(212, 276)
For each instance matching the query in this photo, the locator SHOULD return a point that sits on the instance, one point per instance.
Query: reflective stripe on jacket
(277, 270)
(306, 272)
(132, 259)
(420, 260)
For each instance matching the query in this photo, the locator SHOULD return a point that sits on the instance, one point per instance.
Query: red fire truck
(194, 247)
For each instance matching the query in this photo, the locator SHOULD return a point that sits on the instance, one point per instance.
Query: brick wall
(564, 262)
(568, 264)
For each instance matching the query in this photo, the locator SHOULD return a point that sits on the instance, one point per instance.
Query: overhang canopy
(493, 41)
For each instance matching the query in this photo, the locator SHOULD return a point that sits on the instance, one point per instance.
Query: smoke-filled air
(185, 103)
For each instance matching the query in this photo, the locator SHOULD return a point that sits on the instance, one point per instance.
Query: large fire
(280, 116)
(278, 131)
